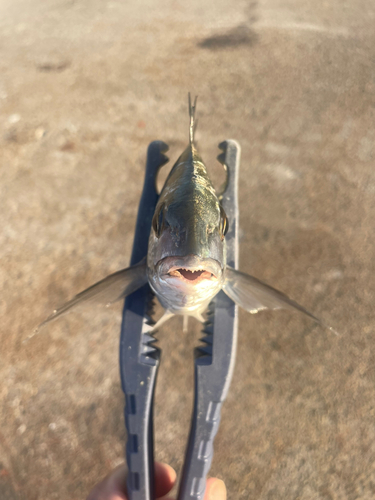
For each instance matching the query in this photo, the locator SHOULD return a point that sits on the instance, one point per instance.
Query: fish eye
(157, 221)
(223, 222)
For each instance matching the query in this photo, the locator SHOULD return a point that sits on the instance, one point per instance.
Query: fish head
(187, 258)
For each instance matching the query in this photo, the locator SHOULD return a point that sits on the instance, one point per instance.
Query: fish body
(186, 260)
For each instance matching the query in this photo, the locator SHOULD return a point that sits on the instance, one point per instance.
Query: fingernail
(218, 490)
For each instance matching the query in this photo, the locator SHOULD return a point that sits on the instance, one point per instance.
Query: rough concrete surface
(85, 85)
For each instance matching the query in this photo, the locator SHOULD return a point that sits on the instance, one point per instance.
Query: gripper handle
(139, 358)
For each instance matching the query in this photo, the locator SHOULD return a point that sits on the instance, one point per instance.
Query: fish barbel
(186, 260)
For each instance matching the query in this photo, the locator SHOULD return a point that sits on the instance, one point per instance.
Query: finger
(113, 486)
(215, 489)
(116, 484)
(165, 477)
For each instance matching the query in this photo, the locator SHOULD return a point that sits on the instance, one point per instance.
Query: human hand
(113, 486)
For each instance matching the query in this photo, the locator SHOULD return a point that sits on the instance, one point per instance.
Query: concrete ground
(84, 87)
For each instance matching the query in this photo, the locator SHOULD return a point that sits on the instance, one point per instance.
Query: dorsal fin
(192, 118)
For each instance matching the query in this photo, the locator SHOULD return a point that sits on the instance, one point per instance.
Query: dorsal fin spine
(192, 118)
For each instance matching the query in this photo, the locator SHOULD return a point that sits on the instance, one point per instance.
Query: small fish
(186, 261)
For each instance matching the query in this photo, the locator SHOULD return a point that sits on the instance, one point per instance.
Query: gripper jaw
(204, 352)
(149, 350)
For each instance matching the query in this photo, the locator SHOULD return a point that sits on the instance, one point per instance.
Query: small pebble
(39, 133)
(15, 118)
(21, 429)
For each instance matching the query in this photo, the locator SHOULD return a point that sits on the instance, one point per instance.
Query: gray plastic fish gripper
(214, 359)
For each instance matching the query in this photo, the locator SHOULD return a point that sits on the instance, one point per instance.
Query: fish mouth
(193, 275)
(190, 269)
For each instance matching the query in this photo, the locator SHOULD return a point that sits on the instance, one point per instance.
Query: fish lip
(193, 263)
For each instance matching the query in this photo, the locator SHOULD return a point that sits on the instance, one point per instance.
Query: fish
(186, 259)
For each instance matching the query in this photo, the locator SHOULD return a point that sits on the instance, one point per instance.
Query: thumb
(215, 489)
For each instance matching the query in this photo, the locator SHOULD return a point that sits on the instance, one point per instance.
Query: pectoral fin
(106, 291)
(253, 295)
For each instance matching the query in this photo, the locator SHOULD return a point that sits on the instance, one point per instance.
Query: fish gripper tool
(214, 358)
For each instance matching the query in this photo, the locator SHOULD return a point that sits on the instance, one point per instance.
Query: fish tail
(192, 118)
